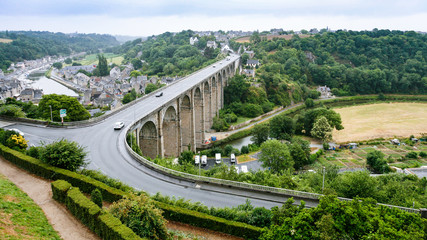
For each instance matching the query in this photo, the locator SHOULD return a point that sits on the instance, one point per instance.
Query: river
(38, 80)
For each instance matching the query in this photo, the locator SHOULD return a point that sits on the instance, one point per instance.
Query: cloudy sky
(148, 17)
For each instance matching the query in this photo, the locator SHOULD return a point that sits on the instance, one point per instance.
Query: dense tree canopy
(349, 62)
(168, 53)
(29, 45)
(75, 111)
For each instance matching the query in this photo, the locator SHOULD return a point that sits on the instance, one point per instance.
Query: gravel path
(40, 191)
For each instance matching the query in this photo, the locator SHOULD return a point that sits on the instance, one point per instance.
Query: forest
(349, 62)
(30, 45)
(168, 54)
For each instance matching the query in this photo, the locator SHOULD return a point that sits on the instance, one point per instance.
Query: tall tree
(282, 127)
(260, 133)
(102, 65)
(322, 130)
(275, 155)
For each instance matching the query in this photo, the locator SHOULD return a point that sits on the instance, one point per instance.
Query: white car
(232, 158)
(197, 160)
(17, 131)
(159, 94)
(204, 160)
(119, 125)
(217, 158)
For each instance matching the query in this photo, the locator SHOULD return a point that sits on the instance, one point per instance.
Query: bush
(210, 222)
(252, 110)
(64, 154)
(412, 155)
(103, 224)
(423, 154)
(11, 111)
(140, 215)
(96, 197)
(244, 150)
(34, 152)
(228, 149)
(44, 170)
(17, 142)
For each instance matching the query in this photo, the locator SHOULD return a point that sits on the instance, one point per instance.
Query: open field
(269, 37)
(93, 59)
(383, 120)
(5, 40)
(20, 217)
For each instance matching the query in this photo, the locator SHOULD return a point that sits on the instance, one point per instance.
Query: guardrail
(223, 182)
(242, 185)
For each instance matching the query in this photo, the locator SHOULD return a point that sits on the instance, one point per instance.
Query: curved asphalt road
(108, 154)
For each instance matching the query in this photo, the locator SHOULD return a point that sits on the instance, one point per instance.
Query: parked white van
(217, 158)
(244, 168)
(232, 158)
(204, 160)
(197, 160)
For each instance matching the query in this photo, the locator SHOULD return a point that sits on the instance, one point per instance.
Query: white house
(211, 44)
(193, 40)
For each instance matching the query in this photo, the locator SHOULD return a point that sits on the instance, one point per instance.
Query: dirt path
(40, 191)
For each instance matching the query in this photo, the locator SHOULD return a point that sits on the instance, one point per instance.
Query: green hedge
(103, 224)
(41, 169)
(204, 220)
(86, 184)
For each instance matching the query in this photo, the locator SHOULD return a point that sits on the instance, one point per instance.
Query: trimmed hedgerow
(35, 166)
(102, 223)
(60, 189)
(210, 222)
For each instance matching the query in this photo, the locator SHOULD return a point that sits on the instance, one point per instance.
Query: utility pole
(323, 185)
(51, 118)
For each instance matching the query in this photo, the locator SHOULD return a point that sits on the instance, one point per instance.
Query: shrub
(96, 197)
(228, 149)
(17, 142)
(11, 111)
(423, 154)
(64, 154)
(244, 150)
(34, 152)
(412, 155)
(140, 215)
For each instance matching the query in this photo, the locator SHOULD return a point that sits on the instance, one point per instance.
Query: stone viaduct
(183, 121)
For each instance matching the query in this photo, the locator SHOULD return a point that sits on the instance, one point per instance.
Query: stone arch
(170, 132)
(214, 98)
(148, 139)
(186, 123)
(207, 106)
(198, 116)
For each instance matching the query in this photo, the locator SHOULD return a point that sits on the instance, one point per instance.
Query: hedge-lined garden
(102, 223)
(87, 185)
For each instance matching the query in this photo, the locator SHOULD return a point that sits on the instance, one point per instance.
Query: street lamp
(51, 118)
(323, 185)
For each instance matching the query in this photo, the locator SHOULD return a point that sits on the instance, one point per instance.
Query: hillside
(28, 45)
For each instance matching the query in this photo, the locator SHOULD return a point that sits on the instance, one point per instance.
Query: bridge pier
(185, 120)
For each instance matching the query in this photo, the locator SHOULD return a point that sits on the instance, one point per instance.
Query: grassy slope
(20, 217)
(383, 120)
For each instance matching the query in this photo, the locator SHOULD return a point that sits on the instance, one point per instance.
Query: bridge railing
(107, 115)
(240, 185)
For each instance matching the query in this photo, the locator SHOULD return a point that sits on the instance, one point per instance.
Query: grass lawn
(383, 120)
(5, 40)
(93, 59)
(20, 217)
(241, 120)
(245, 158)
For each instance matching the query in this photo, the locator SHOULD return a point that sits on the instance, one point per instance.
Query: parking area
(253, 165)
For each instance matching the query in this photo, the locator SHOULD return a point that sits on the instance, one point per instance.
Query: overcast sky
(149, 17)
